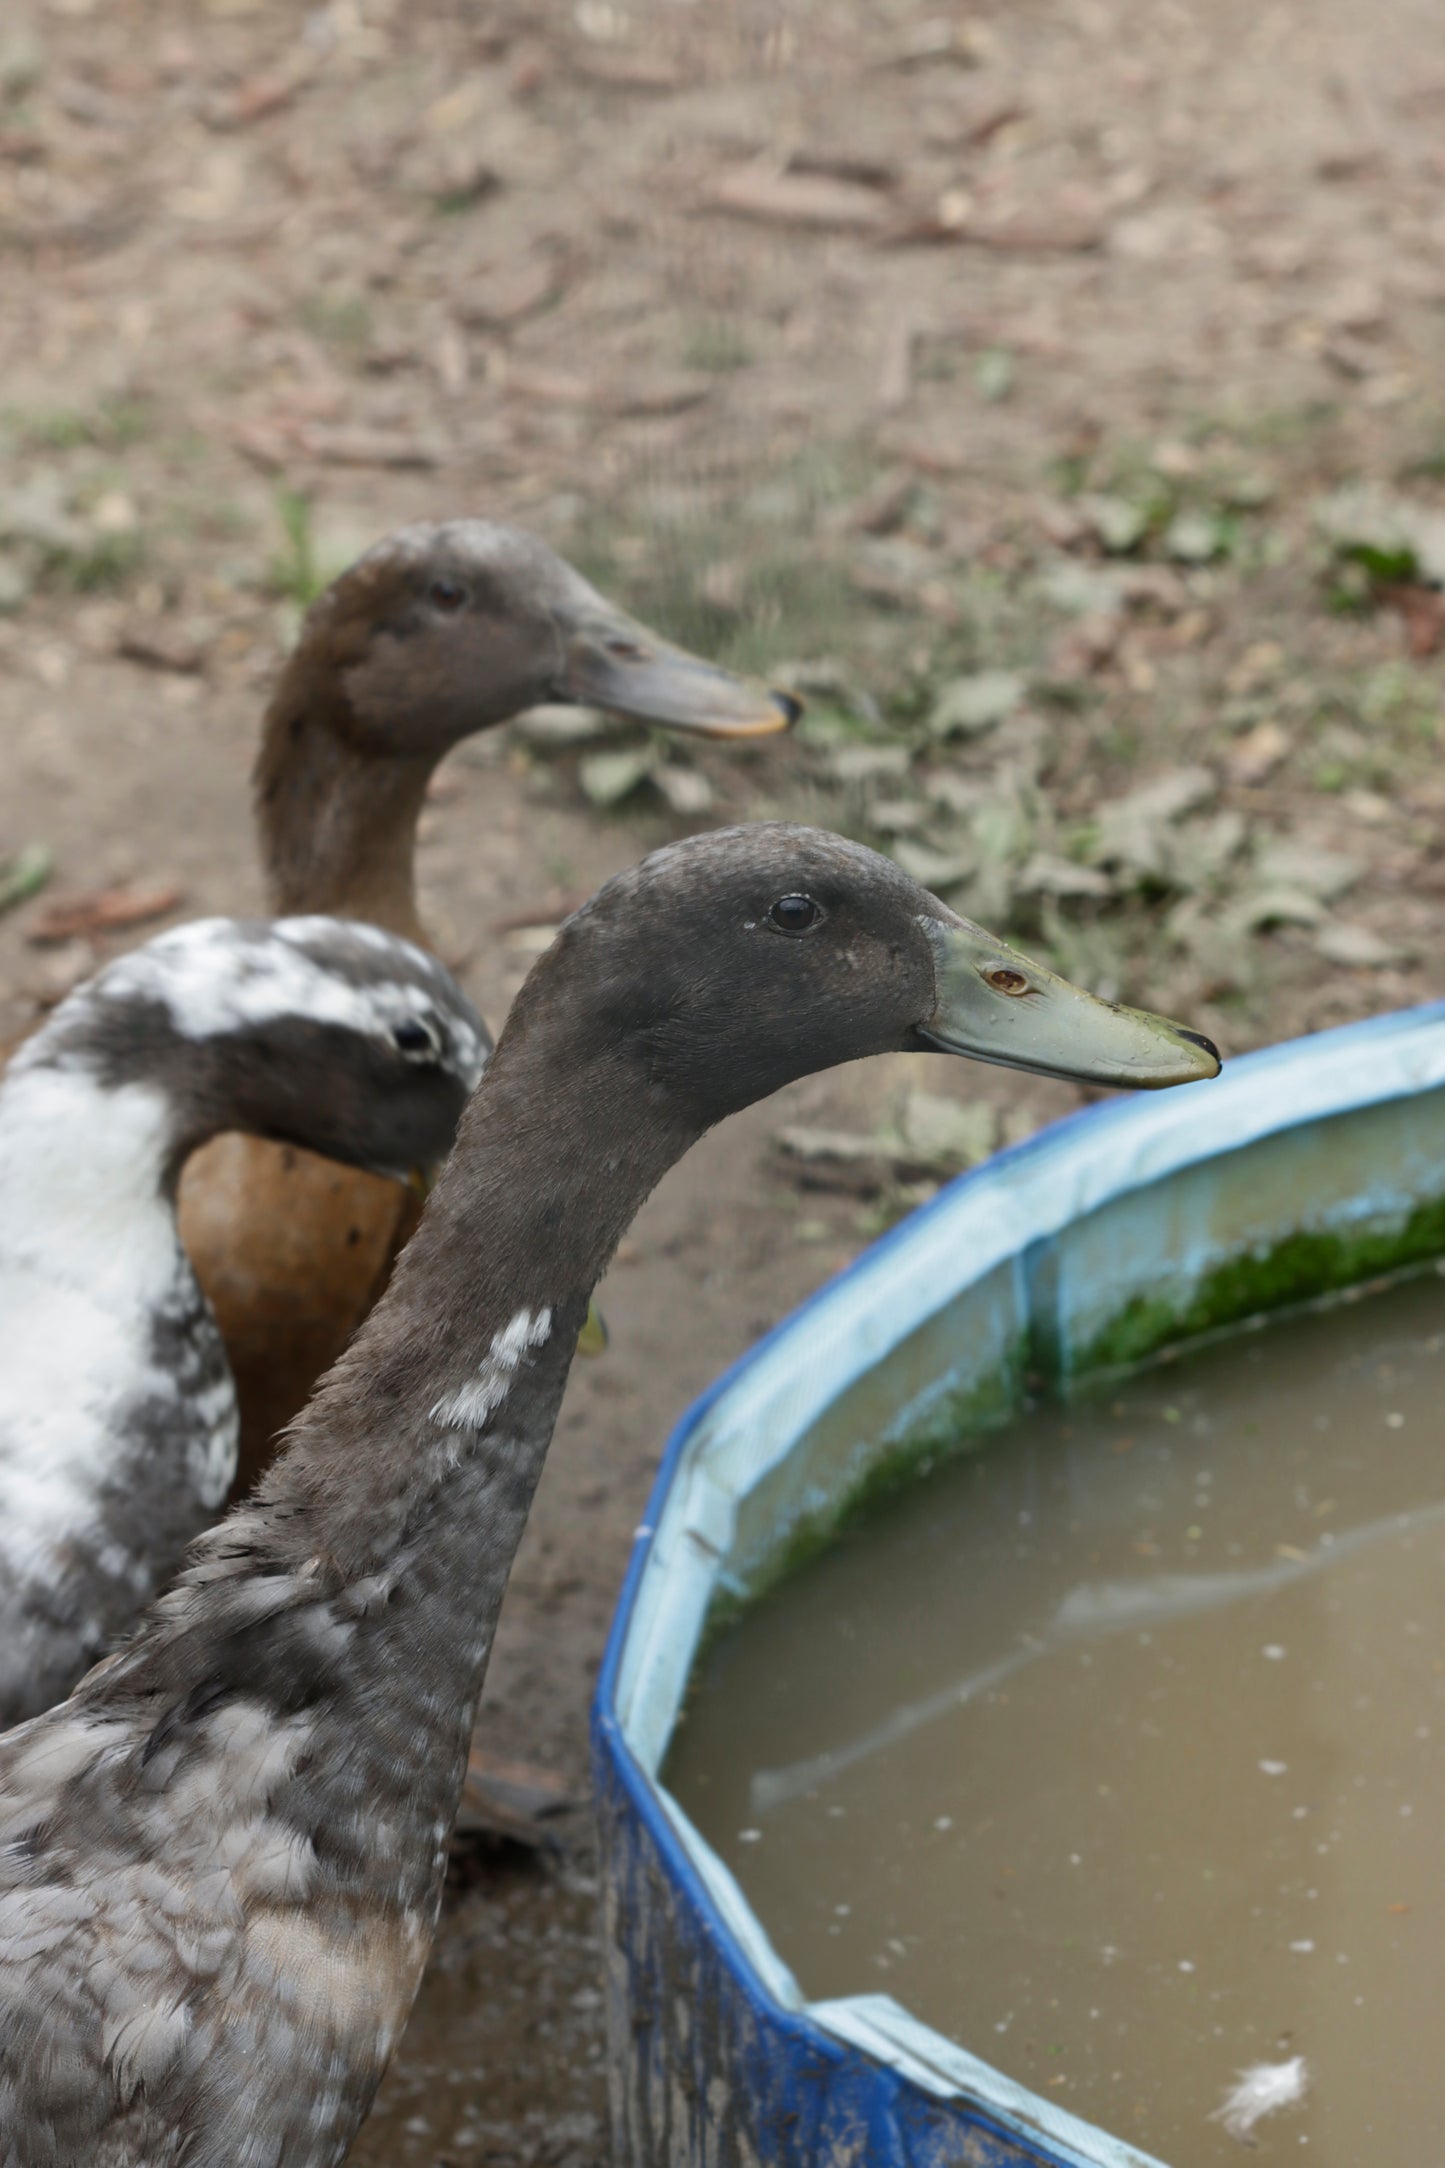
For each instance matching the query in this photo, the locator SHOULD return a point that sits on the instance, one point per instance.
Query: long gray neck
(444, 1404)
(379, 1547)
(337, 824)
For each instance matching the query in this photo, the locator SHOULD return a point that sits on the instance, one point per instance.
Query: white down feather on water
(1261, 2090)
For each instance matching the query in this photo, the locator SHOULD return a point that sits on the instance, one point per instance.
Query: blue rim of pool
(1105, 1167)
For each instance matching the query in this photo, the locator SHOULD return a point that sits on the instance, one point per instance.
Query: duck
(440, 630)
(118, 1419)
(221, 1859)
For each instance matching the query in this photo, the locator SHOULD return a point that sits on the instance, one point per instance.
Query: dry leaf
(608, 778)
(844, 165)
(1046, 875)
(797, 199)
(1356, 947)
(1137, 830)
(553, 727)
(1423, 610)
(626, 71)
(509, 1799)
(258, 98)
(1255, 756)
(369, 448)
(687, 790)
(559, 905)
(105, 910)
(1326, 874)
(496, 299)
(1278, 905)
(160, 646)
(969, 706)
(659, 396)
(263, 444)
(948, 1134)
(1029, 233)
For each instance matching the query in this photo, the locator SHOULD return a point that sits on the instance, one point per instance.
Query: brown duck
(221, 1859)
(437, 632)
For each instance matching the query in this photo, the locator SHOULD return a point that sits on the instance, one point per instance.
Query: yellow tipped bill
(999, 1006)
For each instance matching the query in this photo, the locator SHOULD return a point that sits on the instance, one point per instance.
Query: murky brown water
(1117, 1752)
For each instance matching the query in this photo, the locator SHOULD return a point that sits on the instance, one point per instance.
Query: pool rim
(1275, 1089)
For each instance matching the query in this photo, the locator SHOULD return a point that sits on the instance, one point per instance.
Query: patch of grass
(1067, 475)
(338, 318)
(294, 572)
(105, 561)
(1192, 511)
(1402, 700)
(112, 424)
(717, 345)
(1283, 429)
(1424, 461)
(205, 518)
(993, 374)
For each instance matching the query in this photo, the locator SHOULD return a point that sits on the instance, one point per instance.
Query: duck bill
(997, 1005)
(613, 662)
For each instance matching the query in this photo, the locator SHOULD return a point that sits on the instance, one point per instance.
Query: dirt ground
(1052, 391)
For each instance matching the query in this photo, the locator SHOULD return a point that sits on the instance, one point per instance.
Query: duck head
(728, 964)
(439, 631)
(485, 620)
(445, 629)
(313, 1031)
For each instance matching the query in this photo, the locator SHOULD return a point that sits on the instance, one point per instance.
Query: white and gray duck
(221, 1859)
(118, 1421)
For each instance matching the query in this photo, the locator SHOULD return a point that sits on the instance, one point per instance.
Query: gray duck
(221, 1859)
(118, 1418)
(438, 632)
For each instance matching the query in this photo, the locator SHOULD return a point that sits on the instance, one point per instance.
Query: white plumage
(1261, 2090)
(118, 1417)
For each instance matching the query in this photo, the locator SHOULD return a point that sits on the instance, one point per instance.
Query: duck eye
(446, 595)
(1004, 981)
(794, 914)
(416, 1040)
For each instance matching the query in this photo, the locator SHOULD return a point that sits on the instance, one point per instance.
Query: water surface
(1116, 1751)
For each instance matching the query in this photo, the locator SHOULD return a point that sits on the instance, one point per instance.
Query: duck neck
(337, 822)
(395, 1513)
(440, 1414)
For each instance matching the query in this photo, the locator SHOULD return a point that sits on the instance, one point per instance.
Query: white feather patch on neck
(470, 1405)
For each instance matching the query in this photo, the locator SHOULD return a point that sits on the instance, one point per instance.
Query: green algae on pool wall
(959, 1375)
(958, 1420)
(1298, 1214)
(1298, 1269)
